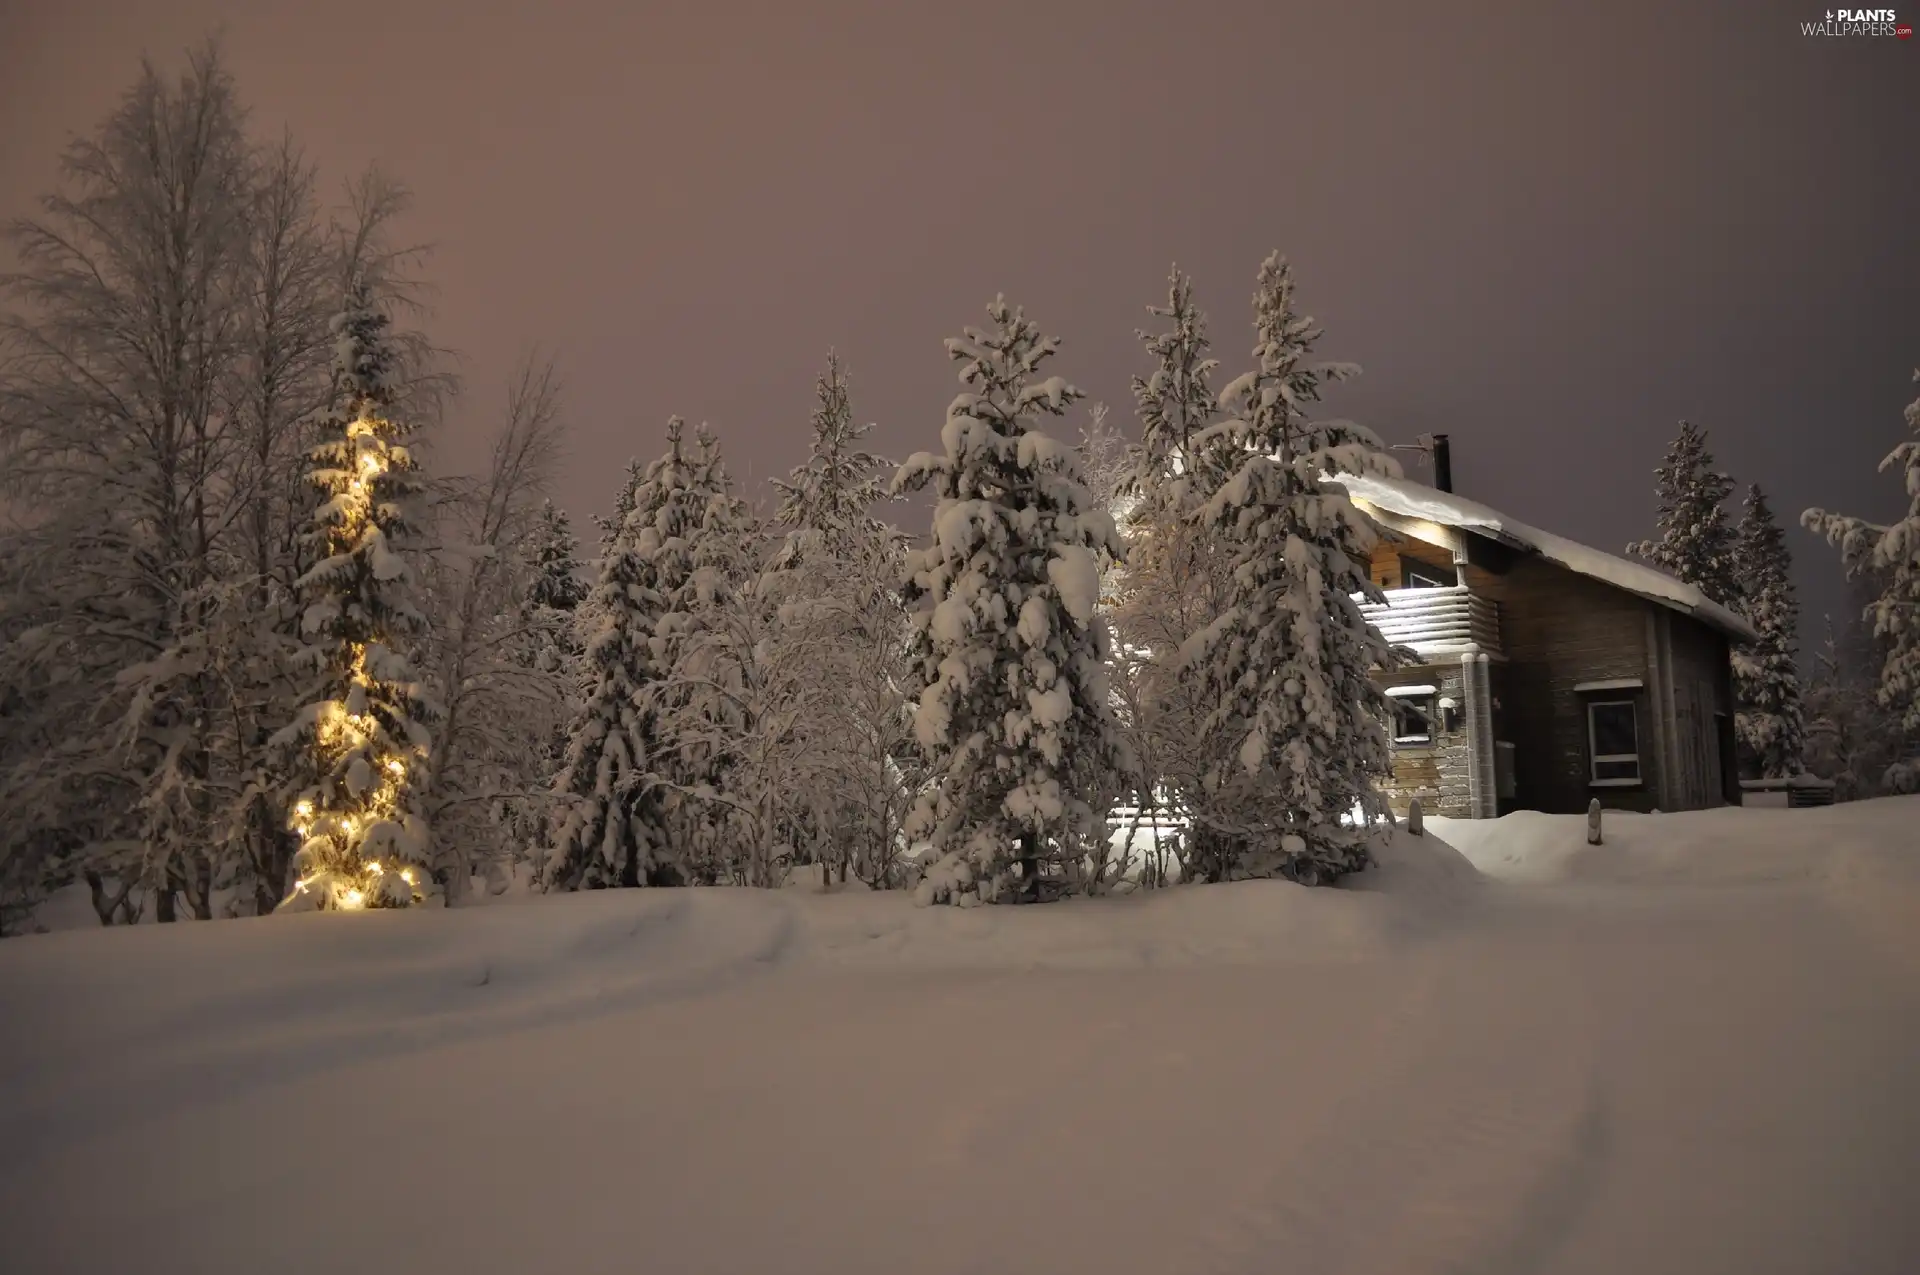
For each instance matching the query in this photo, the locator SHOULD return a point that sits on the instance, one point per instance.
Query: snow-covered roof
(1412, 500)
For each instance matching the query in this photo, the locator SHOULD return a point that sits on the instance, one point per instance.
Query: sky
(1551, 231)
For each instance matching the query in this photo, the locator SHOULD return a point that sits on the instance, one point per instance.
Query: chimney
(1442, 463)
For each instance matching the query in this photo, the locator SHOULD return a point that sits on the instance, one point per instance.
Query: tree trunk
(200, 889)
(270, 861)
(104, 904)
(459, 881)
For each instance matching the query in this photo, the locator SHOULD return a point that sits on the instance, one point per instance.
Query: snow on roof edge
(1413, 500)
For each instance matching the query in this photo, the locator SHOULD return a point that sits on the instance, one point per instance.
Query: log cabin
(1544, 673)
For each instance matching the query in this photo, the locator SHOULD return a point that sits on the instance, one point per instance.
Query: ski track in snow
(1692, 1050)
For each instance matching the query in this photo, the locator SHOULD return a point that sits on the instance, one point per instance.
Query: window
(1613, 743)
(1413, 715)
(1420, 575)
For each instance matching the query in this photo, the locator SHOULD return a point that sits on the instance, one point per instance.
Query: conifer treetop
(1696, 541)
(1175, 400)
(827, 499)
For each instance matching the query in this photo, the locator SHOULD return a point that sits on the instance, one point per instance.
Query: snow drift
(1691, 1048)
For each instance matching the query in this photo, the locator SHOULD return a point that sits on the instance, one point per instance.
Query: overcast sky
(1551, 230)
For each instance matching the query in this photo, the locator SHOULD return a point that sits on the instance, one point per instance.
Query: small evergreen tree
(707, 699)
(1696, 542)
(362, 738)
(556, 590)
(825, 503)
(1171, 584)
(1174, 403)
(549, 643)
(829, 585)
(1013, 711)
(1767, 674)
(1294, 732)
(613, 829)
(1891, 555)
(557, 585)
(622, 504)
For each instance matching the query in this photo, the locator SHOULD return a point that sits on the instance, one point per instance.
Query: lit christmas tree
(361, 738)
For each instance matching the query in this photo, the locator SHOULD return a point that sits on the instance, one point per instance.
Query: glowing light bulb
(373, 866)
(397, 767)
(353, 898)
(346, 823)
(370, 464)
(357, 485)
(304, 809)
(406, 874)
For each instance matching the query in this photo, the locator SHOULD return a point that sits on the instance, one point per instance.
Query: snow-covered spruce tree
(833, 586)
(611, 826)
(745, 687)
(1294, 734)
(1696, 541)
(1013, 710)
(586, 620)
(721, 726)
(557, 586)
(1891, 554)
(1767, 673)
(1172, 583)
(546, 649)
(362, 738)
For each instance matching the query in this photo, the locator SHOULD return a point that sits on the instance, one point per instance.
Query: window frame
(1411, 567)
(1595, 759)
(1424, 702)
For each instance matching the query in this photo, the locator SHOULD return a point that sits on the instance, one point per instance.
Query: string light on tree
(361, 741)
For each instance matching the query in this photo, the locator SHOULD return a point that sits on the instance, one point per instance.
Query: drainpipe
(1483, 745)
(1476, 775)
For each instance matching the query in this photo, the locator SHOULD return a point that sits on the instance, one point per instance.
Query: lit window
(1613, 743)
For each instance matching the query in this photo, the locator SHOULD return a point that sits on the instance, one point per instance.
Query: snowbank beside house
(1672, 1052)
(1731, 845)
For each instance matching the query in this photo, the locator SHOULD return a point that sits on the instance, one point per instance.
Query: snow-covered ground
(1694, 1049)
